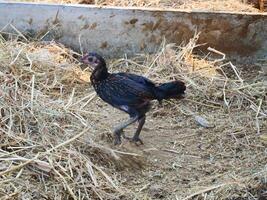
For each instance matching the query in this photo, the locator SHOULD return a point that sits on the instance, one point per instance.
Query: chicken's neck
(99, 74)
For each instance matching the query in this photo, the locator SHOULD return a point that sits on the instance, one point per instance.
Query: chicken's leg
(118, 129)
(136, 137)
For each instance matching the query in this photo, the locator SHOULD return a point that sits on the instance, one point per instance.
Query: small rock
(203, 122)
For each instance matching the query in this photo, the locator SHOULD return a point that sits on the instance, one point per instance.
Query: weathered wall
(115, 31)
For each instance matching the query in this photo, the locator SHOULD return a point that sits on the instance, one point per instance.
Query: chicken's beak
(84, 62)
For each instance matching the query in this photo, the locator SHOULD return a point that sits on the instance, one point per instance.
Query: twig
(235, 71)
(89, 100)
(217, 52)
(17, 56)
(67, 142)
(91, 173)
(27, 56)
(87, 96)
(32, 91)
(19, 166)
(206, 190)
(107, 177)
(18, 32)
(44, 153)
(70, 99)
(224, 94)
(257, 117)
(65, 182)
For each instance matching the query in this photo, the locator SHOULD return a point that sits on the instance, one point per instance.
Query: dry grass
(212, 5)
(50, 122)
(46, 135)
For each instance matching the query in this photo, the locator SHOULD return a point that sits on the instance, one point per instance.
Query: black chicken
(129, 92)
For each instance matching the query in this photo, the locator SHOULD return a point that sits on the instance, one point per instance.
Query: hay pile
(46, 146)
(212, 5)
(49, 144)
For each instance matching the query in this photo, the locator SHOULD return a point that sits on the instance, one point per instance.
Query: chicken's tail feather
(174, 89)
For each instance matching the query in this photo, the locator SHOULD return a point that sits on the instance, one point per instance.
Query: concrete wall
(116, 31)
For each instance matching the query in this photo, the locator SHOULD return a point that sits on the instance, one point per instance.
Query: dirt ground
(180, 157)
